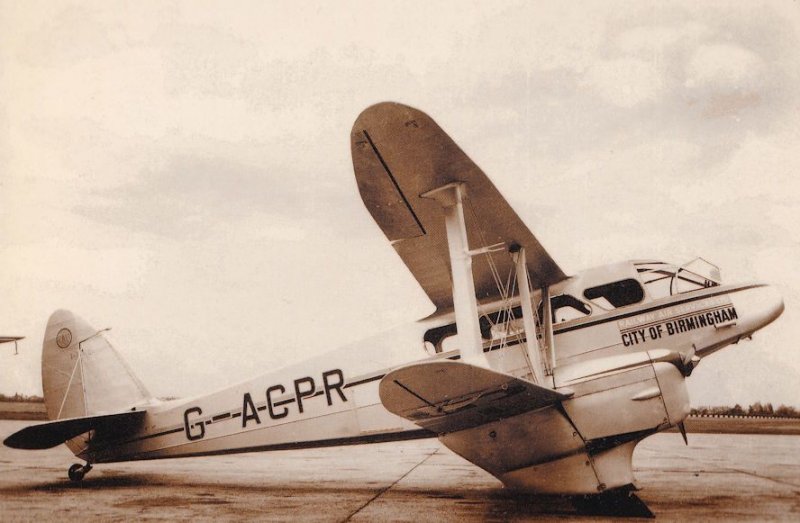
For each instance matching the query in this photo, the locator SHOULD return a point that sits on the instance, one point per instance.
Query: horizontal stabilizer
(51, 434)
(448, 396)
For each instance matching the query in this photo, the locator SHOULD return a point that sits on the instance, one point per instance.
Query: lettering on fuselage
(194, 431)
(252, 411)
(659, 329)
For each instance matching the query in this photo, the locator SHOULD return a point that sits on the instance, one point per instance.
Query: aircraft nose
(773, 304)
(765, 304)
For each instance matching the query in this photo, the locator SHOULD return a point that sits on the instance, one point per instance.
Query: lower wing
(449, 396)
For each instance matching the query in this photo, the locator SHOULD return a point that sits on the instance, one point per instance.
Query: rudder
(82, 373)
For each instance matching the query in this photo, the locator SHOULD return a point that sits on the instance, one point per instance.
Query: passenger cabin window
(437, 336)
(505, 327)
(566, 307)
(616, 294)
(498, 329)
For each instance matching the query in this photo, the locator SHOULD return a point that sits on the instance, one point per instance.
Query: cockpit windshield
(665, 279)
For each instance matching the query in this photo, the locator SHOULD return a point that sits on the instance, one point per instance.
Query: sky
(181, 171)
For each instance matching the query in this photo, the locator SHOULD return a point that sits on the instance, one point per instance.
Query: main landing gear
(77, 471)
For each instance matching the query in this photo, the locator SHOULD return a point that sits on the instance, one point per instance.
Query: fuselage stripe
(561, 330)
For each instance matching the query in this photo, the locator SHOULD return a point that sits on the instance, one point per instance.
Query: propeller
(689, 360)
(682, 428)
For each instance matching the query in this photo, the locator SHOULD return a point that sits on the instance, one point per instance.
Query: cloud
(64, 45)
(724, 66)
(652, 41)
(727, 79)
(626, 82)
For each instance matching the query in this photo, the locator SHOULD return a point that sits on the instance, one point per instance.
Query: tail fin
(82, 374)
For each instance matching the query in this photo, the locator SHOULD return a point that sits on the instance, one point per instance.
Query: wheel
(76, 472)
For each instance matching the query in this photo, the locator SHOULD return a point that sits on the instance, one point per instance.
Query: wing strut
(531, 340)
(547, 323)
(451, 197)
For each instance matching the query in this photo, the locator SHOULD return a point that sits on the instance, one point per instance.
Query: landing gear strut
(77, 471)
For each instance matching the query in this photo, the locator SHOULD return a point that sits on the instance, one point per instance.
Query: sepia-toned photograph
(399, 261)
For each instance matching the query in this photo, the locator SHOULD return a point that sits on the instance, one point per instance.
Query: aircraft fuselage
(333, 399)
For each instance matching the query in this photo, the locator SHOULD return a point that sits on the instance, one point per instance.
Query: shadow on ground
(618, 504)
(496, 504)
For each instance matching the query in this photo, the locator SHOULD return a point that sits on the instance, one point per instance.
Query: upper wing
(48, 435)
(449, 396)
(400, 153)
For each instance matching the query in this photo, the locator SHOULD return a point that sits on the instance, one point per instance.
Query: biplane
(545, 380)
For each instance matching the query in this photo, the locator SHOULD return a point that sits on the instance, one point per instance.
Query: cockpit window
(665, 279)
(616, 294)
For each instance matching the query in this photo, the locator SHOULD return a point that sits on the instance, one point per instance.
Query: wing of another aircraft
(399, 153)
(449, 396)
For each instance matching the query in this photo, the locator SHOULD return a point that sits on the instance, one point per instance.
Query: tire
(76, 472)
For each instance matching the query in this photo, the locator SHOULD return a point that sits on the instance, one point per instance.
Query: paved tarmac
(717, 477)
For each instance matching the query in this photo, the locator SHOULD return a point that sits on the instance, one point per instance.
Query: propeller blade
(682, 428)
(689, 360)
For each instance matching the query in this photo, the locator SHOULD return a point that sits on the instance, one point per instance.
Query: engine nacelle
(626, 395)
(615, 402)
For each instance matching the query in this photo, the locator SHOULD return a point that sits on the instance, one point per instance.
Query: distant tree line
(756, 409)
(22, 398)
